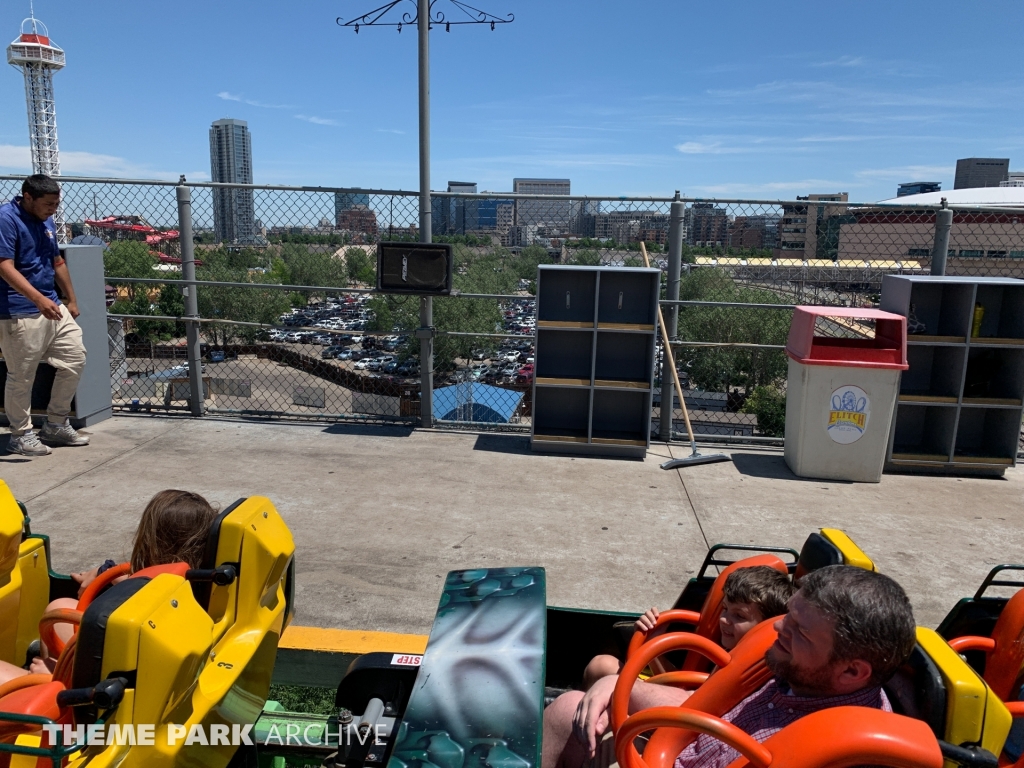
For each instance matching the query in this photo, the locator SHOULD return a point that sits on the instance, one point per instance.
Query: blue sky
(726, 99)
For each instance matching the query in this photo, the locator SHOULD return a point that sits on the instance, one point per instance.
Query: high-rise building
(38, 58)
(1014, 179)
(754, 232)
(972, 172)
(550, 213)
(707, 224)
(811, 231)
(344, 201)
(231, 163)
(464, 214)
(918, 188)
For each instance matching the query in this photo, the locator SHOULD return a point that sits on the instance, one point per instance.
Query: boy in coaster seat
(751, 595)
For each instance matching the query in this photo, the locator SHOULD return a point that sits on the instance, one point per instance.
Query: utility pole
(425, 18)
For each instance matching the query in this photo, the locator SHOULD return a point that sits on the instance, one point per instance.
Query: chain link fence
(290, 325)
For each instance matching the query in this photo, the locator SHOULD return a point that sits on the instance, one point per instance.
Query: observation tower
(38, 58)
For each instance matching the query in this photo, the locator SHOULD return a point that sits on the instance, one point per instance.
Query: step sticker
(849, 410)
(405, 660)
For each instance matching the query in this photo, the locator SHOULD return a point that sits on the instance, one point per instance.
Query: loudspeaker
(421, 268)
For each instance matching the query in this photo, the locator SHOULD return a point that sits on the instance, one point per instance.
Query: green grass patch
(297, 698)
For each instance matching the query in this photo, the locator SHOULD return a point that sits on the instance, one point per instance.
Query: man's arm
(593, 715)
(17, 281)
(62, 277)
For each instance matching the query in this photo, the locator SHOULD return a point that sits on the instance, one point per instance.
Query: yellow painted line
(350, 641)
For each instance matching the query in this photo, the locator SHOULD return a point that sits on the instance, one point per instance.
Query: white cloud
(907, 172)
(713, 147)
(227, 96)
(390, 130)
(316, 120)
(842, 61)
(74, 163)
(803, 186)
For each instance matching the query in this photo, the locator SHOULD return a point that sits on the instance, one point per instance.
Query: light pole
(424, 18)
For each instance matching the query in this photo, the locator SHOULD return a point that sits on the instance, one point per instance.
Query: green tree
(359, 267)
(769, 405)
(723, 368)
(586, 258)
(130, 258)
(249, 304)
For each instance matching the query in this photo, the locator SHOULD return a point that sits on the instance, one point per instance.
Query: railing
(734, 271)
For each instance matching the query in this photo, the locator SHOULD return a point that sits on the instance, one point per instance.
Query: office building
(358, 219)
(1014, 179)
(706, 225)
(493, 213)
(463, 213)
(629, 226)
(918, 188)
(231, 163)
(551, 213)
(345, 201)
(754, 232)
(811, 231)
(974, 172)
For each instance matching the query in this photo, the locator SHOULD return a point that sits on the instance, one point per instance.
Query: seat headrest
(202, 590)
(12, 523)
(917, 690)
(816, 553)
(88, 667)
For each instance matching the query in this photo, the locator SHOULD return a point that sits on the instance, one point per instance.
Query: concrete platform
(381, 513)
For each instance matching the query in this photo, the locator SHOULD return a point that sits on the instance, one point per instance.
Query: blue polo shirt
(33, 246)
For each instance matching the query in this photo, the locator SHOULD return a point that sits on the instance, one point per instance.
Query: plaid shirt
(766, 712)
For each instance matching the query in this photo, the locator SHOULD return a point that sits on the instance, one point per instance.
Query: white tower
(38, 58)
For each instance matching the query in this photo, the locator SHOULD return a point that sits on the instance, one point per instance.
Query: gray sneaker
(27, 445)
(62, 434)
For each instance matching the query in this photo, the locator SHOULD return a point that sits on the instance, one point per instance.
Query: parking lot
(321, 361)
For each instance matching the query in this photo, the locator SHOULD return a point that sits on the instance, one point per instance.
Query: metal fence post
(675, 261)
(943, 223)
(426, 330)
(193, 350)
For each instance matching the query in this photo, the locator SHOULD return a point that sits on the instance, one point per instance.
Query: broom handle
(671, 361)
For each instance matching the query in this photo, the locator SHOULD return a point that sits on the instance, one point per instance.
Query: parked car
(345, 354)
(332, 352)
(364, 364)
(525, 375)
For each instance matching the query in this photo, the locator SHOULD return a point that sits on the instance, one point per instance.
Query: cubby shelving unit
(961, 401)
(594, 372)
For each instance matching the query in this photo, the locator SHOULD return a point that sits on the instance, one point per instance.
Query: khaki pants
(27, 341)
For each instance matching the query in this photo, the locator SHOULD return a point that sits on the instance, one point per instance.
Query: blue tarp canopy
(476, 402)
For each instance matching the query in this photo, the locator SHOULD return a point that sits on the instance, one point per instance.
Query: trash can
(842, 390)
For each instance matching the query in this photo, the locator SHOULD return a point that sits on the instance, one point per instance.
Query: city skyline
(844, 104)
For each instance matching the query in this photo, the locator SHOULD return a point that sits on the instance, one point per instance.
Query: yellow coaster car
(168, 654)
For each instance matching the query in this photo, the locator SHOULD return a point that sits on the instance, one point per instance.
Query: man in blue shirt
(34, 326)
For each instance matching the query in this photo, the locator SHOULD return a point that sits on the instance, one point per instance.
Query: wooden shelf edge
(934, 458)
(1001, 342)
(921, 338)
(564, 324)
(972, 460)
(614, 384)
(625, 326)
(551, 381)
(617, 441)
(1010, 401)
(927, 399)
(559, 439)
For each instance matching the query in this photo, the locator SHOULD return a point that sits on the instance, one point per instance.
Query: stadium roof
(476, 402)
(1000, 197)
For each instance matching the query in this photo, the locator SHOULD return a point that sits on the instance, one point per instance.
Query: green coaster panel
(479, 693)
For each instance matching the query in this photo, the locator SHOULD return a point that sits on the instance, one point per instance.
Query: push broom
(696, 457)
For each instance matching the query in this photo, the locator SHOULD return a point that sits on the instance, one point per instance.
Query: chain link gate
(290, 326)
